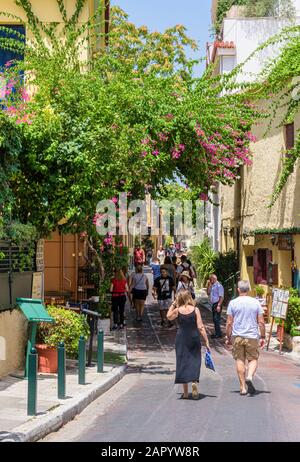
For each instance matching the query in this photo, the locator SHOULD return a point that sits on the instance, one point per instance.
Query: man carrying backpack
(185, 266)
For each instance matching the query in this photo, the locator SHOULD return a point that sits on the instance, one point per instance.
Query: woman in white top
(139, 286)
(186, 283)
(161, 255)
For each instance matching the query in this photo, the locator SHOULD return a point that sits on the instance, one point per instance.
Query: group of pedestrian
(170, 277)
(174, 290)
(245, 331)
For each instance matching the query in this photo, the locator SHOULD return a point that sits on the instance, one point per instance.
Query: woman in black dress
(188, 343)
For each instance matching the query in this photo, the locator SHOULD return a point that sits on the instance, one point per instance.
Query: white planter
(296, 345)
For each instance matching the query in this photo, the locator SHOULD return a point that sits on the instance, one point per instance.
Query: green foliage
(293, 316)
(134, 107)
(260, 291)
(222, 9)
(204, 260)
(207, 261)
(68, 328)
(255, 8)
(226, 268)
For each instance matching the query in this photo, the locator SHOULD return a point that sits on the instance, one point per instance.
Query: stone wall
(13, 338)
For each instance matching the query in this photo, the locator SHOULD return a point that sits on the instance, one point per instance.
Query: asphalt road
(146, 407)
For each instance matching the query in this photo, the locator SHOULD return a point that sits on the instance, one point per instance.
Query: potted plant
(68, 328)
(260, 292)
(260, 296)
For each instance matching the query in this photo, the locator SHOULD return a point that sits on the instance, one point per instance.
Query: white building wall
(248, 34)
(297, 6)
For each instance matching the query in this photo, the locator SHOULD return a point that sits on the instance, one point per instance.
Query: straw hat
(185, 273)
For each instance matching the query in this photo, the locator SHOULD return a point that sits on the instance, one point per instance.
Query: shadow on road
(201, 396)
(258, 392)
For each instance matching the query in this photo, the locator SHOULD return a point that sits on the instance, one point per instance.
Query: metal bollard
(100, 352)
(32, 381)
(61, 375)
(81, 361)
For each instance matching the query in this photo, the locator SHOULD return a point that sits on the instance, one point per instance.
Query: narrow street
(146, 406)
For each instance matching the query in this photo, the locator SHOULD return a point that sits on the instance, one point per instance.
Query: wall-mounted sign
(285, 242)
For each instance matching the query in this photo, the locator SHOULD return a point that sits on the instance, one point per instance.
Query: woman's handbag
(208, 361)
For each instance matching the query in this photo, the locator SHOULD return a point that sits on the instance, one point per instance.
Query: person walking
(118, 289)
(155, 266)
(186, 283)
(170, 267)
(139, 288)
(185, 265)
(162, 291)
(139, 256)
(246, 326)
(188, 342)
(216, 292)
(171, 251)
(161, 254)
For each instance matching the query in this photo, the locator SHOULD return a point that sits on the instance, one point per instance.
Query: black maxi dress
(188, 349)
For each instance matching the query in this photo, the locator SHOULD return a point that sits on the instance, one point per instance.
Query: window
(261, 262)
(8, 55)
(289, 136)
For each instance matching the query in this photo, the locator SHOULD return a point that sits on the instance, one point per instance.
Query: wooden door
(61, 265)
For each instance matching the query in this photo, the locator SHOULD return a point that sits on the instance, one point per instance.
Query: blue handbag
(209, 362)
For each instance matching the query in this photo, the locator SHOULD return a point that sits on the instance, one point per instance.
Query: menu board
(40, 255)
(37, 291)
(280, 303)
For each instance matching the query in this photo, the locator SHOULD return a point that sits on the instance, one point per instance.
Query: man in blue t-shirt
(155, 266)
(246, 325)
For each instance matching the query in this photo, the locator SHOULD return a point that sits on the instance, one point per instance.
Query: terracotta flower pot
(47, 362)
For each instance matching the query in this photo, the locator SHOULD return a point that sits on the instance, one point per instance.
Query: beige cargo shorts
(245, 348)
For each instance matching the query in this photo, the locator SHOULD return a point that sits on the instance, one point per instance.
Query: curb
(38, 427)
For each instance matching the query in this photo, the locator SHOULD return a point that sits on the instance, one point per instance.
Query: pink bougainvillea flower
(155, 153)
(169, 116)
(181, 147)
(145, 141)
(144, 153)
(25, 95)
(115, 200)
(203, 196)
(251, 137)
(163, 137)
(97, 218)
(9, 64)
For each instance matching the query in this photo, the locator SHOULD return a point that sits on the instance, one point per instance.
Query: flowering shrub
(68, 328)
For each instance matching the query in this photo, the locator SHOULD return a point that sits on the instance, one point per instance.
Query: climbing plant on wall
(255, 8)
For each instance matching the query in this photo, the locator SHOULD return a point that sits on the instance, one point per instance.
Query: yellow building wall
(13, 338)
(47, 11)
(280, 257)
(249, 208)
(261, 179)
(297, 250)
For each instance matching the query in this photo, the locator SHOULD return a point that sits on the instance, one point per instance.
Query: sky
(158, 15)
